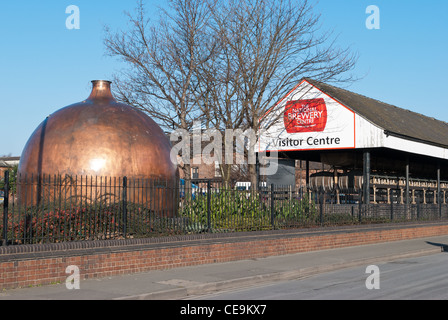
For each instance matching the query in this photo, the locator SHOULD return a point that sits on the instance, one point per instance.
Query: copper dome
(98, 137)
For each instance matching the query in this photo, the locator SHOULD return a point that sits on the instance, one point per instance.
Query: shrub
(244, 211)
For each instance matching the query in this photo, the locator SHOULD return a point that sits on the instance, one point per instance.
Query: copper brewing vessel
(99, 137)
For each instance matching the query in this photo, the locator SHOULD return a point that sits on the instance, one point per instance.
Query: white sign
(307, 119)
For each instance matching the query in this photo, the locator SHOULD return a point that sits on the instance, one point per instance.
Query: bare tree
(162, 59)
(225, 62)
(217, 92)
(267, 46)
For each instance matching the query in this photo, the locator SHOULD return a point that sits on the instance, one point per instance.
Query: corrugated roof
(396, 121)
(9, 158)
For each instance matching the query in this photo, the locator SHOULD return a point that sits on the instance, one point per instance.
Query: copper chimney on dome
(98, 137)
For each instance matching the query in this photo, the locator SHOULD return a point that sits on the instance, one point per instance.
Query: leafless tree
(266, 46)
(217, 92)
(226, 62)
(162, 59)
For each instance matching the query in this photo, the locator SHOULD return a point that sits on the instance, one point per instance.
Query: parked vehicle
(182, 189)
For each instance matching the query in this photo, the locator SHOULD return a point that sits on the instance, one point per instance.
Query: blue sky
(44, 66)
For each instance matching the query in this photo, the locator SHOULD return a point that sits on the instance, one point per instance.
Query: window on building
(195, 173)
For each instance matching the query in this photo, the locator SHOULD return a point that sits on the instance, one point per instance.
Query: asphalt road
(422, 278)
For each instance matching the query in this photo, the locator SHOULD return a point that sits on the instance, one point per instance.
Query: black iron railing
(43, 209)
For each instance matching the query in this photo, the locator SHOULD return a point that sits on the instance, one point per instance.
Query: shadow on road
(443, 246)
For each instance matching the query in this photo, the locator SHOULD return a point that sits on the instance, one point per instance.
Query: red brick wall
(31, 268)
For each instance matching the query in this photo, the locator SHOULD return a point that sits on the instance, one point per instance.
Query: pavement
(191, 282)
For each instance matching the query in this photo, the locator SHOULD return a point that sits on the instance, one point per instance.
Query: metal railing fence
(45, 209)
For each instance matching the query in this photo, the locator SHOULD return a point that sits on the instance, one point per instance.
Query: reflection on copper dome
(98, 137)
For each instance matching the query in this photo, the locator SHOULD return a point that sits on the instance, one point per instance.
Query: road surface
(422, 278)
